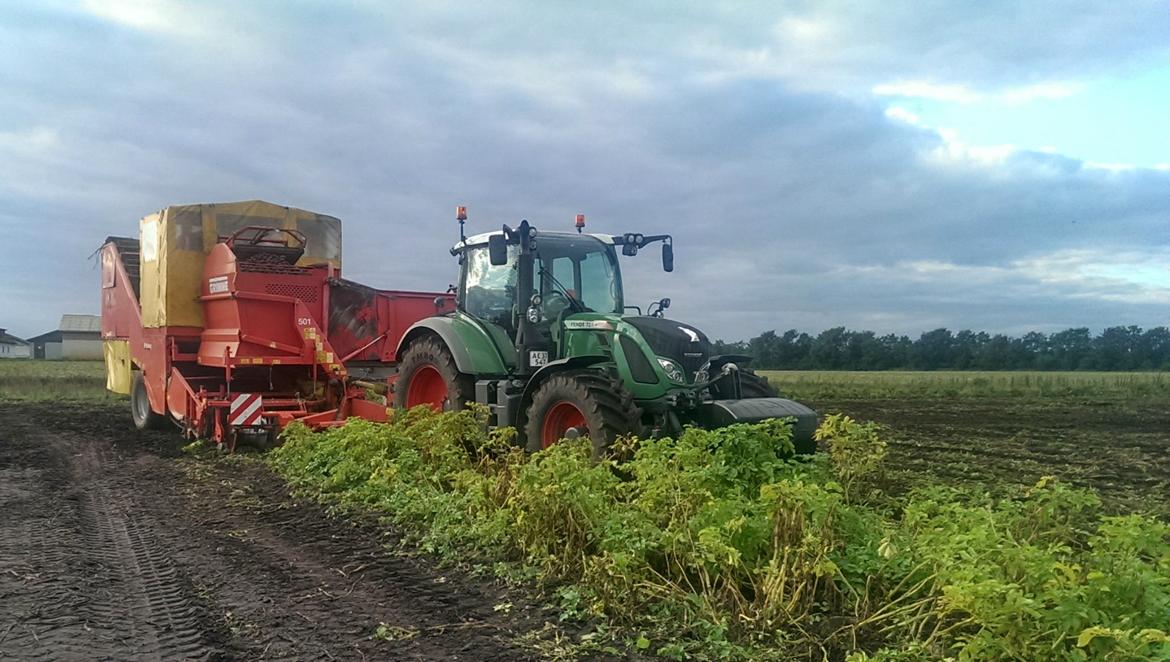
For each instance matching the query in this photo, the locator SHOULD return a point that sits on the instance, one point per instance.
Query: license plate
(536, 359)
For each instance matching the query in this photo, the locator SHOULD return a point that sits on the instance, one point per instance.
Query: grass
(49, 381)
(40, 381)
(827, 384)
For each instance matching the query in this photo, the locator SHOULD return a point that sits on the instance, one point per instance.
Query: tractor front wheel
(144, 417)
(428, 375)
(580, 404)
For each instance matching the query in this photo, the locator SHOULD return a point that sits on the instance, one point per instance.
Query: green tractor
(543, 337)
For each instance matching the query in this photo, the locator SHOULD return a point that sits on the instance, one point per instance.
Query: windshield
(585, 269)
(583, 266)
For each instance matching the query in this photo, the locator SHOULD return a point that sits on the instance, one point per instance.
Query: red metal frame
(266, 330)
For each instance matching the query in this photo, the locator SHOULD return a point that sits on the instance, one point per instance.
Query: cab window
(598, 286)
(489, 290)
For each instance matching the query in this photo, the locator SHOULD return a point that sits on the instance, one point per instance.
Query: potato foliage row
(718, 545)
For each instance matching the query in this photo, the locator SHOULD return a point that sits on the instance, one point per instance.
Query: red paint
(558, 420)
(427, 387)
(272, 330)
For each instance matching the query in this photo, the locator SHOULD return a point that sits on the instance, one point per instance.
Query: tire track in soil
(329, 585)
(150, 599)
(115, 546)
(86, 578)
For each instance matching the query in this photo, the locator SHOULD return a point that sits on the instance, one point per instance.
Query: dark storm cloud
(791, 205)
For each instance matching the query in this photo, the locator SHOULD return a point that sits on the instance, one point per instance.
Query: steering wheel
(555, 304)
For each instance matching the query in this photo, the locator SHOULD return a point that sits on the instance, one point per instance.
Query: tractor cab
(530, 287)
(566, 274)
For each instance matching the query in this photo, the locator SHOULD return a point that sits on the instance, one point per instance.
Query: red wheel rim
(562, 416)
(427, 387)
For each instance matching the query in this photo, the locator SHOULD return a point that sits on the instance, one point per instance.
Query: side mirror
(665, 303)
(667, 257)
(498, 250)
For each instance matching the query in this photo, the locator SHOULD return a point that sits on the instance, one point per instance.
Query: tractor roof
(482, 238)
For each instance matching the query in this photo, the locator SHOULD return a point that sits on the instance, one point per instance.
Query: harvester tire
(144, 417)
(428, 375)
(597, 406)
(751, 385)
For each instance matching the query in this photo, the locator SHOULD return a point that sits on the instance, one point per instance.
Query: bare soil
(1121, 448)
(116, 546)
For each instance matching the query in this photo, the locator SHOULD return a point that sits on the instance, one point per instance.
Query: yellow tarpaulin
(175, 241)
(117, 353)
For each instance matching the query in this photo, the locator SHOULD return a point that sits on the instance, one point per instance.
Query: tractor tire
(751, 385)
(428, 375)
(596, 405)
(140, 411)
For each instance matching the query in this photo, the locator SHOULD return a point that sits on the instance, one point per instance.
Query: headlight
(672, 370)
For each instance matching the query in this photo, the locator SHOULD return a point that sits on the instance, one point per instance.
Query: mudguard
(553, 367)
(470, 346)
(721, 413)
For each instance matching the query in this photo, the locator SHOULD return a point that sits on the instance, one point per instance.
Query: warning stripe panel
(245, 409)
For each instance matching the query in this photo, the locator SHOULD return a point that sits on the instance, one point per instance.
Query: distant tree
(1116, 348)
(1155, 345)
(829, 349)
(1072, 349)
(934, 350)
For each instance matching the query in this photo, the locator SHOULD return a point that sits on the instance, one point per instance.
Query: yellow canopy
(175, 241)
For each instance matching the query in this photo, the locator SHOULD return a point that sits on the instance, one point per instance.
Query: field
(1108, 431)
(43, 381)
(816, 384)
(394, 543)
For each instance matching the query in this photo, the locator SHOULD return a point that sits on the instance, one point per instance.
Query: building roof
(71, 324)
(6, 339)
(88, 323)
(48, 336)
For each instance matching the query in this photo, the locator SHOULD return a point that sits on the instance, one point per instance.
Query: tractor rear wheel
(751, 385)
(144, 417)
(428, 375)
(581, 404)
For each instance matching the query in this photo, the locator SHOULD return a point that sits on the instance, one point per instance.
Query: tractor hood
(671, 339)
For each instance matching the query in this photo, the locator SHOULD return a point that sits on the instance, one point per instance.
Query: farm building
(77, 337)
(12, 347)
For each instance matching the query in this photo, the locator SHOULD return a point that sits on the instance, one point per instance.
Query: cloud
(835, 44)
(158, 16)
(1048, 90)
(955, 93)
(795, 201)
(925, 90)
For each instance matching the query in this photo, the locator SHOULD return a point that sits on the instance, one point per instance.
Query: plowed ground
(114, 545)
(1118, 447)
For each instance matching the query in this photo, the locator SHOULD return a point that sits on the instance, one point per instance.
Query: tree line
(1115, 348)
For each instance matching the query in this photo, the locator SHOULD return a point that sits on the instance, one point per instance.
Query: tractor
(541, 334)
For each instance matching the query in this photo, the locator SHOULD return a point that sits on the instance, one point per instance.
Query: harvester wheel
(140, 411)
(751, 385)
(585, 404)
(427, 375)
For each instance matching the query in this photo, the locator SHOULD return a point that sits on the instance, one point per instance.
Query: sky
(897, 167)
